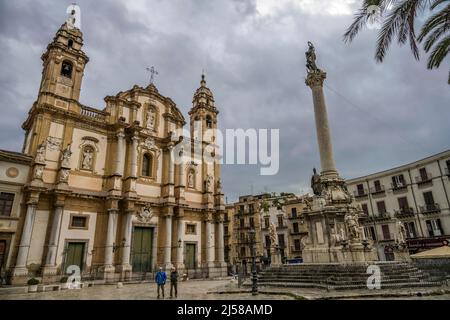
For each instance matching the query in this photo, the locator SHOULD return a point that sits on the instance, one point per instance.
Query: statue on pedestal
(401, 232)
(315, 183)
(311, 59)
(65, 156)
(353, 229)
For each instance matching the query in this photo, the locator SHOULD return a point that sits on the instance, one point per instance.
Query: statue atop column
(311, 59)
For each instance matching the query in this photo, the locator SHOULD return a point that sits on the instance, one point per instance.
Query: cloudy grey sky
(381, 115)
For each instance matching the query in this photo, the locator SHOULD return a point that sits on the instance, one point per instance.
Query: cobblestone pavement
(226, 290)
(189, 290)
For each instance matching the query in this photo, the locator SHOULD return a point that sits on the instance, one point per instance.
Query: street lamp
(252, 234)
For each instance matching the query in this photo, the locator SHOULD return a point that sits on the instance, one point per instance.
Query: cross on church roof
(152, 71)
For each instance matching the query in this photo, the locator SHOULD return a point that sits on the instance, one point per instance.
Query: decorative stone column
(21, 264)
(126, 249)
(134, 160)
(171, 166)
(50, 263)
(120, 154)
(315, 81)
(209, 243)
(168, 242)
(110, 238)
(220, 243)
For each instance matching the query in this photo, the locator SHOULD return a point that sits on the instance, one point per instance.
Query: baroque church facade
(103, 190)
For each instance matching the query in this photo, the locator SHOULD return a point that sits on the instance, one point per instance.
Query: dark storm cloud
(381, 116)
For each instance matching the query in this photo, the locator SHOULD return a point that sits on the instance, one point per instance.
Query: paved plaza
(224, 290)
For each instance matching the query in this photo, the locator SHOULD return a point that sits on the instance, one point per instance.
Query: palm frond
(439, 52)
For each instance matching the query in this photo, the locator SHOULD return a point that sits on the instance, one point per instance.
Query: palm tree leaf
(439, 52)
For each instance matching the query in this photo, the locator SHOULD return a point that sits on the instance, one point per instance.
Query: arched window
(208, 122)
(70, 43)
(66, 69)
(147, 162)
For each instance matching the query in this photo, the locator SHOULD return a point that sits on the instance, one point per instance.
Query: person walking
(160, 279)
(173, 281)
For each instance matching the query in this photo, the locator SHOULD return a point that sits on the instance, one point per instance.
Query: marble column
(220, 243)
(126, 250)
(315, 81)
(209, 243)
(168, 243)
(180, 246)
(25, 241)
(120, 153)
(54, 237)
(110, 238)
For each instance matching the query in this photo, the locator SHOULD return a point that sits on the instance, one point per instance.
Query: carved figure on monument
(334, 237)
(38, 172)
(273, 235)
(304, 242)
(65, 156)
(311, 59)
(40, 153)
(401, 232)
(64, 175)
(315, 183)
(219, 185)
(87, 158)
(208, 182)
(353, 229)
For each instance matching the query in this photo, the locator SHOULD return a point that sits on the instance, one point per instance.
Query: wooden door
(190, 261)
(75, 254)
(141, 251)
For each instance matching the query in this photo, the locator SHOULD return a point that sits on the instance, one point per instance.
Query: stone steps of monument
(345, 287)
(342, 279)
(341, 276)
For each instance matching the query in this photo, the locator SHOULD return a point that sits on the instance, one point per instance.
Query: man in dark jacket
(173, 281)
(160, 279)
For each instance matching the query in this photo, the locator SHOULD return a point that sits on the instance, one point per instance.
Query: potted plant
(64, 283)
(33, 285)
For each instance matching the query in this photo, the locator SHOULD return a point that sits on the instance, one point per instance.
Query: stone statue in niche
(65, 156)
(88, 155)
(208, 182)
(219, 185)
(151, 119)
(191, 179)
(40, 153)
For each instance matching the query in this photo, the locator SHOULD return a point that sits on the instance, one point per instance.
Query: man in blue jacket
(160, 279)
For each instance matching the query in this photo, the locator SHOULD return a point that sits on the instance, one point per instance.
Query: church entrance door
(141, 250)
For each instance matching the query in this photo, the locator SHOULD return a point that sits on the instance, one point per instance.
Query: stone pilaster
(209, 241)
(180, 246)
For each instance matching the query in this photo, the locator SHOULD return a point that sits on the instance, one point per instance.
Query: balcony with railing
(282, 226)
(377, 190)
(359, 193)
(424, 178)
(404, 212)
(398, 186)
(93, 113)
(381, 216)
(430, 208)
